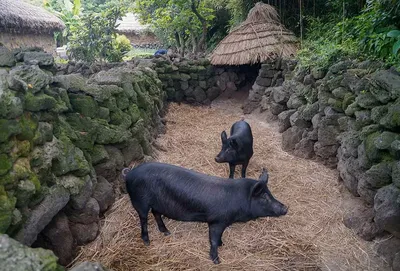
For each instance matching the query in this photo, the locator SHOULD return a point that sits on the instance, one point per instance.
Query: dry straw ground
(310, 237)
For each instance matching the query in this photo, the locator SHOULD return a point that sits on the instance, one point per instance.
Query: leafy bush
(120, 47)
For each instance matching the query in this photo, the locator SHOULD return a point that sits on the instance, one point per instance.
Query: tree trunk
(202, 41)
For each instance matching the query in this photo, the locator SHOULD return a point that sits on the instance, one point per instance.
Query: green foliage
(94, 38)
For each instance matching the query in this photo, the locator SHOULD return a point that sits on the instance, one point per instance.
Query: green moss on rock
(104, 113)
(121, 119)
(28, 78)
(39, 102)
(21, 149)
(84, 105)
(111, 134)
(98, 154)
(11, 106)
(28, 125)
(44, 133)
(392, 118)
(7, 205)
(8, 128)
(5, 164)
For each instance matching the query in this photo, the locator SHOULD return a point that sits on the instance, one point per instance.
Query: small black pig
(238, 148)
(185, 195)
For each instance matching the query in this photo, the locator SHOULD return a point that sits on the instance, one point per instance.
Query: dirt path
(311, 237)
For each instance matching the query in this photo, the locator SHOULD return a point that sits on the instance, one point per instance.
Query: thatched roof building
(259, 38)
(23, 24)
(136, 32)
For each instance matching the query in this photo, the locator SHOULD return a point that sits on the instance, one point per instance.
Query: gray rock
(264, 104)
(41, 215)
(363, 118)
(367, 130)
(6, 57)
(87, 215)
(318, 73)
(396, 173)
(385, 139)
(131, 151)
(88, 266)
(305, 149)
(59, 239)
(184, 85)
(391, 120)
(84, 233)
(362, 157)
(38, 58)
(230, 86)
(108, 170)
(309, 80)
(307, 112)
(366, 192)
(349, 144)
(378, 175)
(361, 220)
(99, 154)
(340, 66)
(395, 149)
(339, 93)
(349, 180)
(199, 94)
(389, 82)
(387, 209)
(396, 262)
(316, 120)
(28, 78)
(213, 93)
(325, 151)
(327, 135)
(79, 201)
(346, 123)
(298, 121)
(295, 101)
(104, 194)
(116, 155)
(367, 100)
(388, 249)
(378, 112)
(276, 109)
(284, 120)
(265, 82)
(280, 96)
(17, 257)
(291, 137)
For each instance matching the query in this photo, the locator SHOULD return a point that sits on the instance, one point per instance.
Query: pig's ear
(224, 137)
(234, 144)
(257, 189)
(264, 176)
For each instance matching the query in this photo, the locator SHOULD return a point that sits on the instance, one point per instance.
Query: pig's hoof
(220, 243)
(216, 261)
(146, 242)
(166, 233)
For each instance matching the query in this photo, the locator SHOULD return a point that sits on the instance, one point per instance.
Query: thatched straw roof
(259, 38)
(130, 25)
(19, 16)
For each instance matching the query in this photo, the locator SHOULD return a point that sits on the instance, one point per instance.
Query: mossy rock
(336, 104)
(70, 159)
(103, 113)
(44, 133)
(367, 100)
(39, 102)
(28, 78)
(122, 101)
(111, 104)
(63, 128)
(170, 93)
(373, 153)
(111, 134)
(11, 106)
(385, 139)
(129, 91)
(17, 257)
(185, 77)
(121, 119)
(8, 128)
(7, 58)
(367, 130)
(7, 146)
(392, 118)
(85, 128)
(25, 190)
(363, 118)
(7, 205)
(134, 113)
(352, 109)
(28, 126)
(84, 105)
(348, 99)
(5, 164)
(98, 154)
(61, 96)
(21, 149)
(72, 183)
(378, 112)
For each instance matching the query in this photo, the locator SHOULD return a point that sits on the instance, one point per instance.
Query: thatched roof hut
(259, 38)
(17, 16)
(25, 25)
(137, 33)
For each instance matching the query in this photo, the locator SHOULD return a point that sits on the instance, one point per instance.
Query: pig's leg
(231, 171)
(215, 234)
(160, 223)
(244, 167)
(143, 213)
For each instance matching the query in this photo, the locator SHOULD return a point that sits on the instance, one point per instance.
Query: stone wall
(63, 141)
(348, 117)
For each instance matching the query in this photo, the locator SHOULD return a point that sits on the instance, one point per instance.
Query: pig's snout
(218, 159)
(284, 210)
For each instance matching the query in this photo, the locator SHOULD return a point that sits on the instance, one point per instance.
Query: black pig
(185, 195)
(238, 148)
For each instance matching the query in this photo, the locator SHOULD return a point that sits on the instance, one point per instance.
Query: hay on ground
(310, 237)
(260, 38)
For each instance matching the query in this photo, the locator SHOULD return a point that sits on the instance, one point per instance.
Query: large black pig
(185, 195)
(238, 148)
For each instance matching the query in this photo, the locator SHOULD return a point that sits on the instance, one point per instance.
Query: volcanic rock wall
(348, 117)
(64, 140)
